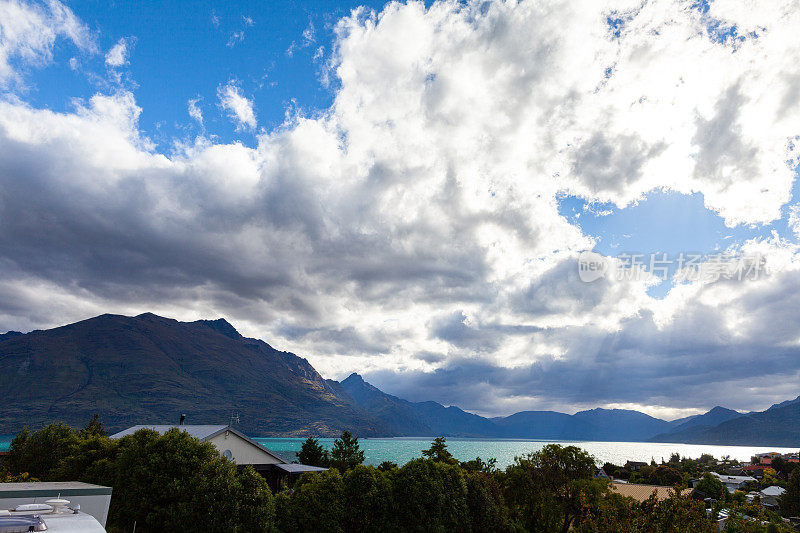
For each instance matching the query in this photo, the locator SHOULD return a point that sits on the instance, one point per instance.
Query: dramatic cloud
(411, 231)
(239, 108)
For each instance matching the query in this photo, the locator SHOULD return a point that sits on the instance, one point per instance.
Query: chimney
(183, 420)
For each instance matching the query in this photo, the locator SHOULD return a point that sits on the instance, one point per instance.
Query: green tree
(164, 482)
(346, 453)
(664, 475)
(312, 453)
(485, 504)
(790, 500)
(88, 460)
(711, 487)
(479, 465)
(367, 499)
(39, 453)
(387, 466)
(430, 496)
(94, 428)
(438, 452)
(256, 506)
(678, 513)
(316, 504)
(548, 490)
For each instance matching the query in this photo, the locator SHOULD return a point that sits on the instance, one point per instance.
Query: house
(237, 447)
(764, 458)
(634, 466)
(733, 483)
(770, 496)
(735, 471)
(757, 471)
(599, 473)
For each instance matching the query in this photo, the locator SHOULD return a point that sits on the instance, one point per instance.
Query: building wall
(244, 452)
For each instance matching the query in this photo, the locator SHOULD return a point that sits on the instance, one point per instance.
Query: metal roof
(200, 432)
(29, 489)
(773, 491)
(294, 468)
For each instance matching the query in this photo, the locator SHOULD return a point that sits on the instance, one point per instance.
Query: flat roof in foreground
(29, 489)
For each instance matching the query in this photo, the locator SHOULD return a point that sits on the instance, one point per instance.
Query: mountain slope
(9, 335)
(149, 369)
(399, 415)
(784, 404)
(416, 418)
(777, 426)
(622, 424)
(696, 425)
(544, 425)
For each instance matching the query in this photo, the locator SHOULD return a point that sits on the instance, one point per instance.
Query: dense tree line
(171, 481)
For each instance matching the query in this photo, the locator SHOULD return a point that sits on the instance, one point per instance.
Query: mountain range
(151, 369)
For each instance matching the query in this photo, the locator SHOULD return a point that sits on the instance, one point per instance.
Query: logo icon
(591, 266)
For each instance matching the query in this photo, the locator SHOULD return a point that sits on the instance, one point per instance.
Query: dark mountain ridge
(150, 369)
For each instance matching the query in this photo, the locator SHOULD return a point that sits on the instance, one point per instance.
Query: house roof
(732, 479)
(773, 491)
(643, 492)
(200, 432)
(294, 468)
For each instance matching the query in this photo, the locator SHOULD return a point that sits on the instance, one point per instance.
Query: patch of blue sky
(185, 51)
(667, 222)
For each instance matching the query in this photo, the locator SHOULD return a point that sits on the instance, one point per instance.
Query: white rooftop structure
(733, 483)
(58, 515)
(93, 500)
(773, 491)
(230, 442)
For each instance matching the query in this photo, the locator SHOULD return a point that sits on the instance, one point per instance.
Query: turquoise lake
(403, 449)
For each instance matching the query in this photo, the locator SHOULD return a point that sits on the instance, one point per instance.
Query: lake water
(402, 450)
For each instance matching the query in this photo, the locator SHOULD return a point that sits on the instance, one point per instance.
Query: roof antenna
(234, 419)
(183, 420)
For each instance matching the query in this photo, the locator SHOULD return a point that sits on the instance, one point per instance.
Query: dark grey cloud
(414, 224)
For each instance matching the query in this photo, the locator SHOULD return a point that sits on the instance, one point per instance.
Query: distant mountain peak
(10, 334)
(355, 377)
(146, 368)
(222, 326)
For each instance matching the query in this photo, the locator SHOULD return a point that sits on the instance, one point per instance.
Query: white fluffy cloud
(412, 231)
(239, 108)
(117, 56)
(28, 32)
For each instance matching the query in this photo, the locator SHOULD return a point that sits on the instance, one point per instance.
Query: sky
(409, 190)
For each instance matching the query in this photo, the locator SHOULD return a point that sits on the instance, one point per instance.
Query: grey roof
(28, 489)
(294, 468)
(773, 491)
(732, 479)
(201, 432)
